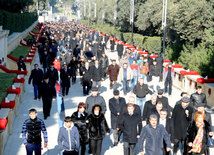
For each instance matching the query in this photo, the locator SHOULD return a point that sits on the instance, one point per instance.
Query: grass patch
(35, 30)
(29, 37)
(6, 81)
(20, 50)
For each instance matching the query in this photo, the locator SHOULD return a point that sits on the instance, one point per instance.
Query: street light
(164, 25)
(132, 18)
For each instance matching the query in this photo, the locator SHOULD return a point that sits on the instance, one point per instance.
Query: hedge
(16, 22)
(151, 44)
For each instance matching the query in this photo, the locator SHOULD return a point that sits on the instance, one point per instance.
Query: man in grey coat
(95, 99)
(154, 134)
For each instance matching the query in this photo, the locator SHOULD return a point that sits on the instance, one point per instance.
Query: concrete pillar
(3, 45)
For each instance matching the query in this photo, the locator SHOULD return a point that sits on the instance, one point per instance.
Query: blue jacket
(68, 139)
(154, 139)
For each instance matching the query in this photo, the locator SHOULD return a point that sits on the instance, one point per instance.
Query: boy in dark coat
(115, 105)
(65, 75)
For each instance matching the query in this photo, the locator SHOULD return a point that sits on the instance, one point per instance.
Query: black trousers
(83, 148)
(65, 90)
(47, 104)
(176, 146)
(166, 83)
(95, 146)
(129, 148)
(70, 153)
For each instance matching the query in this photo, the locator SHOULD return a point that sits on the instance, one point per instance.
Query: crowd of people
(69, 49)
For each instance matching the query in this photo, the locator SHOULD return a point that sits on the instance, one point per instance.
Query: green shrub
(16, 22)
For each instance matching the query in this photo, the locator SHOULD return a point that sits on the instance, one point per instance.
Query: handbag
(210, 142)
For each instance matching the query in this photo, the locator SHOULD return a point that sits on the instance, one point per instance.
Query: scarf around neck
(197, 143)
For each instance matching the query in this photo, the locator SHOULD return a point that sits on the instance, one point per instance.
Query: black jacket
(103, 62)
(80, 123)
(131, 126)
(97, 126)
(96, 73)
(65, 77)
(53, 75)
(155, 70)
(33, 129)
(153, 111)
(170, 129)
(181, 121)
(120, 49)
(148, 106)
(47, 91)
(196, 98)
(115, 107)
(37, 76)
(86, 77)
(141, 91)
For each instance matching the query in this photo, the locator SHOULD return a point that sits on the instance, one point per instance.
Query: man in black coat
(164, 100)
(103, 62)
(131, 125)
(47, 92)
(37, 76)
(65, 75)
(198, 97)
(168, 124)
(120, 49)
(52, 74)
(97, 74)
(182, 116)
(115, 105)
(148, 106)
(86, 78)
(76, 51)
(183, 94)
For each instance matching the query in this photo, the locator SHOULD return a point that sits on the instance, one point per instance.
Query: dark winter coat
(115, 106)
(103, 62)
(53, 75)
(97, 126)
(113, 72)
(97, 73)
(80, 123)
(147, 107)
(154, 138)
(33, 129)
(141, 91)
(65, 77)
(36, 76)
(192, 132)
(181, 121)
(155, 70)
(112, 42)
(131, 126)
(196, 98)
(68, 139)
(120, 49)
(86, 78)
(170, 128)
(47, 91)
(73, 67)
(95, 100)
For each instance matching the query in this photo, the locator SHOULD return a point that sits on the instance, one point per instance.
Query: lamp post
(164, 14)
(132, 18)
(89, 12)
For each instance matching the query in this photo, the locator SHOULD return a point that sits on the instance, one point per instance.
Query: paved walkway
(14, 144)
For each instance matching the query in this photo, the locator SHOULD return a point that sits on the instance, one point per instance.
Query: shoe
(45, 118)
(115, 144)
